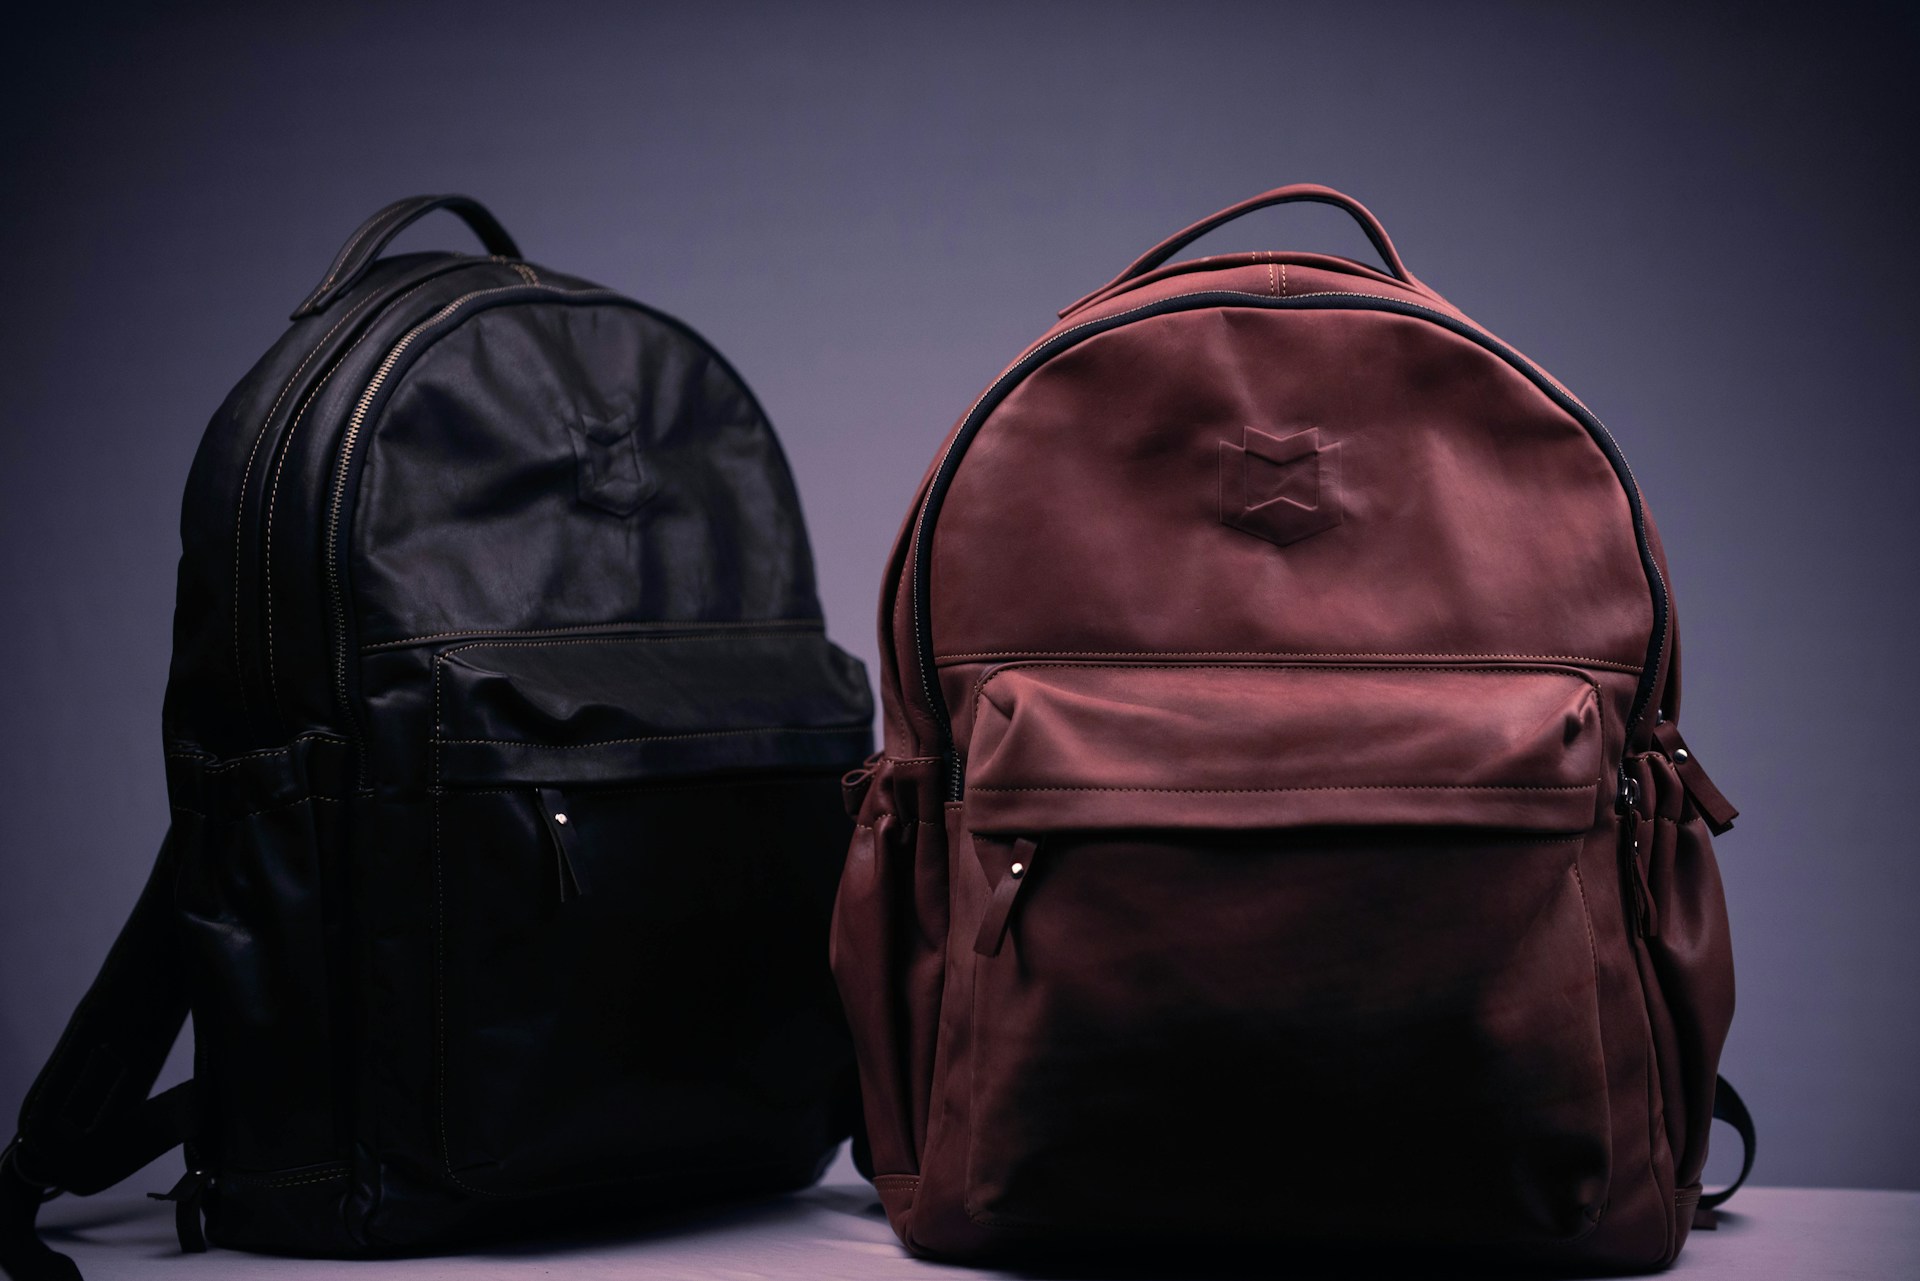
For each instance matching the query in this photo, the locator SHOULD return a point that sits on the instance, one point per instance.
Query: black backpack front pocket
(636, 843)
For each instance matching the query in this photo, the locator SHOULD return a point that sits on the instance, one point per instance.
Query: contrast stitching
(1283, 279)
(651, 789)
(346, 253)
(271, 809)
(240, 514)
(233, 761)
(1586, 915)
(273, 497)
(981, 655)
(526, 273)
(692, 627)
(1355, 787)
(568, 640)
(311, 1178)
(653, 738)
(980, 690)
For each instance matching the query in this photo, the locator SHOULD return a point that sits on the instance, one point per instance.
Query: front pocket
(636, 847)
(1281, 938)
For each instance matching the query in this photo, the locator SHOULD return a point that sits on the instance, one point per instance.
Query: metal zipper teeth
(348, 441)
(363, 407)
(376, 306)
(1039, 354)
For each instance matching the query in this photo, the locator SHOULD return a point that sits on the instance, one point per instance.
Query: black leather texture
(504, 745)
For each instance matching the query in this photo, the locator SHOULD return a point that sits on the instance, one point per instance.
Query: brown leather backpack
(1283, 786)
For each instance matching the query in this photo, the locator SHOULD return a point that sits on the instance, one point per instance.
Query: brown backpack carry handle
(1290, 194)
(364, 245)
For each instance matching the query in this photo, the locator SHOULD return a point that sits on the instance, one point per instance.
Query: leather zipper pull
(1632, 828)
(1708, 799)
(1644, 909)
(186, 1196)
(993, 926)
(1646, 917)
(560, 826)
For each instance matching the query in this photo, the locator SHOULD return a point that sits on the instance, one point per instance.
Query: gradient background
(1698, 221)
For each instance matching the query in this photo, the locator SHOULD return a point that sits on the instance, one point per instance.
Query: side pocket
(1688, 942)
(889, 957)
(261, 909)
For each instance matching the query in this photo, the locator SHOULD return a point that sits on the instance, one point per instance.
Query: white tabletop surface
(835, 1230)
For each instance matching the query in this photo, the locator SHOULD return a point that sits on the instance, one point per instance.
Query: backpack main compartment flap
(614, 708)
(1064, 746)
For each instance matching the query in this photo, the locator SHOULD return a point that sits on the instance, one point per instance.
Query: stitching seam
(1022, 654)
(233, 762)
(654, 738)
(273, 497)
(271, 809)
(374, 223)
(569, 640)
(240, 514)
(688, 629)
(1354, 787)
(980, 690)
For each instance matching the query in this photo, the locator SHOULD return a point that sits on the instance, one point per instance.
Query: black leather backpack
(503, 747)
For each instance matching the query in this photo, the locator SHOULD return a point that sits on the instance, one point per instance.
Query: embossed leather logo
(1280, 488)
(613, 475)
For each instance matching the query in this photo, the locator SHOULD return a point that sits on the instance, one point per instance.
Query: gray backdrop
(1699, 222)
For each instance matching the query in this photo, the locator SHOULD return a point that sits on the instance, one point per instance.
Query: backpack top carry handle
(377, 232)
(1293, 193)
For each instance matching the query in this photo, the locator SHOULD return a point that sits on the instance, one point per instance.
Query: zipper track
(1330, 300)
(364, 407)
(343, 469)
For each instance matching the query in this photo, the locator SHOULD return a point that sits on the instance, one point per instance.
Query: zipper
(362, 413)
(553, 807)
(1646, 915)
(257, 692)
(343, 469)
(929, 510)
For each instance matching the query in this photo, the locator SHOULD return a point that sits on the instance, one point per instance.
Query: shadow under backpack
(504, 747)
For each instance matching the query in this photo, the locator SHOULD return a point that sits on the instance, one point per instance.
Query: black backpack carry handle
(1299, 192)
(364, 246)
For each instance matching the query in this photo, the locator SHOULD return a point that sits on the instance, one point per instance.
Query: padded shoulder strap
(88, 1122)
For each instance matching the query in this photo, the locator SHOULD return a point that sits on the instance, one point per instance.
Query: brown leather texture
(1282, 805)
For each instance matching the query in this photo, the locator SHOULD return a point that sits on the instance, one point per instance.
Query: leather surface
(504, 745)
(1296, 637)
(1084, 745)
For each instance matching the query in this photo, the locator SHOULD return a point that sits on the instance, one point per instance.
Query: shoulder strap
(1731, 1108)
(88, 1122)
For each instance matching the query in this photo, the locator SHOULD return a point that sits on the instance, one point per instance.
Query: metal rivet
(1680, 754)
(561, 819)
(1017, 870)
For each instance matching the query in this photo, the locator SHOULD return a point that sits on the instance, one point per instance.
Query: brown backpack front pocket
(1279, 935)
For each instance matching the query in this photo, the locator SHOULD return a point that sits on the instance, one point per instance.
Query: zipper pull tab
(993, 926)
(1626, 797)
(560, 826)
(186, 1196)
(1646, 917)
